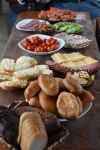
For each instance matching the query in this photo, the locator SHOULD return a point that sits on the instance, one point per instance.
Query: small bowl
(88, 86)
(46, 29)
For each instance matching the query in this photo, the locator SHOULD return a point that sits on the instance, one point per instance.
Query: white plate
(60, 41)
(73, 37)
(25, 21)
(85, 110)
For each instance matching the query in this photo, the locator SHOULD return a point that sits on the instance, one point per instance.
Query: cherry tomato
(55, 46)
(31, 48)
(39, 49)
(49, 49)
(26, 44)
(27, 40)
(45, 48)
(48, 42)
(34, 41)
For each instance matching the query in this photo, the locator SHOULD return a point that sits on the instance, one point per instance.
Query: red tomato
(55, 46)
(48, 42)
(34, 41)
(30, 48)
(49, 49)
(26, 44)
(27, 40)
(39, 49)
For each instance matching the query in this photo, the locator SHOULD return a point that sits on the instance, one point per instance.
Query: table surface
(84, 133)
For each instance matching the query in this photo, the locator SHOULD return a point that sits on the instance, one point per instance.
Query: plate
(74, 41)
(85, 110)
(26, 21)
(60, 41)
(68, 27)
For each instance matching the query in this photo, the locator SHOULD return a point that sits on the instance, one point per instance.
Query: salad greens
(68, 27)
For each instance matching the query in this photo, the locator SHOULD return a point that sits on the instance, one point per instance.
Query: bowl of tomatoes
(40, 44)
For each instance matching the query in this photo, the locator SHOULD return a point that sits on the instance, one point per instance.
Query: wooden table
(84, 133)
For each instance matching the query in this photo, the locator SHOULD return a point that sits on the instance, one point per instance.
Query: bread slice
(19, 83)
(8, 64)
(32, 132)
(25, 62)
(7, 85)
(27, 59)
(26, 74)
(5, 77)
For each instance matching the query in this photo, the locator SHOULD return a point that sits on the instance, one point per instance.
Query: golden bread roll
(34, 101)
(61, 85)
(86, 97)
(32, 132)
(48, 84)
(80, 105)
(67, 105)
(48, 103)
(72, 85)
(32, 90)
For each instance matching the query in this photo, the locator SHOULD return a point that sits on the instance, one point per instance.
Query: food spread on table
(29, 24)
(68, 27)
(73, 62)
(74, 41)
(19, 73)
(55, 14)
(40, 44)
(36, 123)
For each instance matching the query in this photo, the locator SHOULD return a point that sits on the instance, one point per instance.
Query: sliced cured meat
(57, 67)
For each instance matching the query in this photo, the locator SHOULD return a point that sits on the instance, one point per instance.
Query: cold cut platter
(74, 41)
(30, 24)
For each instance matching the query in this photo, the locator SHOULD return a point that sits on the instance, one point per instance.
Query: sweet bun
(34, 101)
(48, 84)
(67, 105)
(86, 97)
(32, 90)
(48, 103)
(72, 85)
(61, 85)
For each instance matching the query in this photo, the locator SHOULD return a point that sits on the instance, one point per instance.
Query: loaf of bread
(32, 90)
(48, 84)
(68, 105)
(32, 132)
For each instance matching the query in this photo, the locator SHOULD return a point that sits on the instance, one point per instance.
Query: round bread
(61, 85)
(34, 102)
(32, 90)
(86, 97)
(72, 85)
(48, 103)
(67, 105)
(48, 84)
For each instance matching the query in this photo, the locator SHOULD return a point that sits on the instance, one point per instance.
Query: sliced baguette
(19, 83)
(27, 73)
(7, 85)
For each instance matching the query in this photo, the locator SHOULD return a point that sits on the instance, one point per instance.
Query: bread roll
(67, 105)
(34, 102)
(86, 97)
(48, 84)
(32, 90)
(32, 132)
(48, 103)
(72, 85)
(61, 85)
